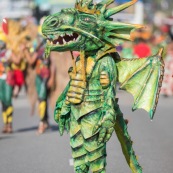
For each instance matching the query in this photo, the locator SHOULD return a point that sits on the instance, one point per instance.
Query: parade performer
(44, 78)
(88, 108)
(17, 37)
(6, 85)
(12, 66)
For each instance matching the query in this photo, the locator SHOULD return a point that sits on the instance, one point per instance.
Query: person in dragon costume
(88, 108)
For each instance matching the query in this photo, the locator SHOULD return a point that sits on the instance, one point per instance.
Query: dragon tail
(126, 144)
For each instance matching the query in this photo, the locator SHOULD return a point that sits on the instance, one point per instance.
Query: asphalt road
(25, 152)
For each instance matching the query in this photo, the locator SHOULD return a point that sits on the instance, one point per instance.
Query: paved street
(25, 152)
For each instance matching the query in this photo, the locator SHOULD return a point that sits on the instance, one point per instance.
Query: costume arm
(30, 58)
(62, 111)
(107, 81)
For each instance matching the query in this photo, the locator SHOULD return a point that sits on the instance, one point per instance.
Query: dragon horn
(160, 52)
(106, 2)
(103, 9)
(119, 8)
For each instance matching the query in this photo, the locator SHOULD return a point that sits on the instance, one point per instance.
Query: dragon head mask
(88, 27)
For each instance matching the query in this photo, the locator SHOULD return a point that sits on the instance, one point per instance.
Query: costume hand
(50, 83)
(64, 122)
(64, 119)
(105, 127)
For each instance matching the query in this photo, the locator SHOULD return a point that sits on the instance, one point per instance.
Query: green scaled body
(88, 107)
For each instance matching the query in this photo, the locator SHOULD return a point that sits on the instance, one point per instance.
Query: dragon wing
(143, 79)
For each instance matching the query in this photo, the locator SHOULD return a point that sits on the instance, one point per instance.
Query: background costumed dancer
(6, 84)
(13, 65)
(44, 78)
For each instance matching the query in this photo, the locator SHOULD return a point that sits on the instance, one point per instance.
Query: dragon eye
(87, 19)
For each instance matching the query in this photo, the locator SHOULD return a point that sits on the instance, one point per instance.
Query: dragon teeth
(57, 37)
(64, 42)
(49, 42)
(70, 34)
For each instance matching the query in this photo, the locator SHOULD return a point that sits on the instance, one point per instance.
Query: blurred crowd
(23, 64)
(147, 42)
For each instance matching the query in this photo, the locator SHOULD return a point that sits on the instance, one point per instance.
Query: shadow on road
(5, 137)
(34, 128)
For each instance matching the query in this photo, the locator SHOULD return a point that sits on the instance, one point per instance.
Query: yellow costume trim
(10, 119)
(21, 66)
(4, 116)
(42, 109)
(9, 110)
(82, 56)
(3, 37)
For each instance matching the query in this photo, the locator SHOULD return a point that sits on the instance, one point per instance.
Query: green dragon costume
(88, 108)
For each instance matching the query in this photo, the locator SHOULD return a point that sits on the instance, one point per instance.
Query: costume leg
(126, 143)
(98, 165)
(79, 153)
(8, 114)
(41, 86)
(43, 110)
(2, 97)
(4, 117)
(85, 149)
(7, 107)
(96, 153)
(82, 169)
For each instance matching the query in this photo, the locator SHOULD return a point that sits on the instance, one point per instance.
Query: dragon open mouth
(62, 39)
